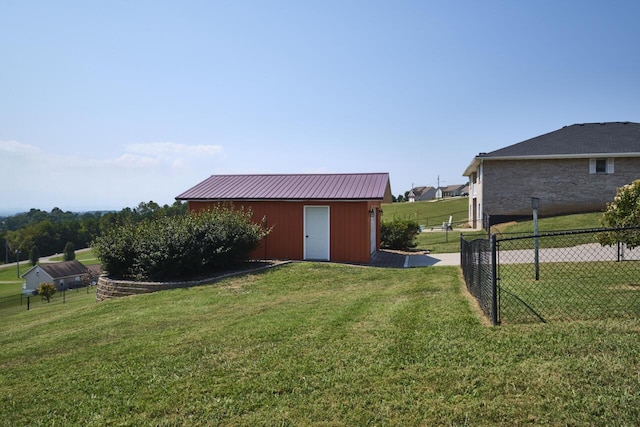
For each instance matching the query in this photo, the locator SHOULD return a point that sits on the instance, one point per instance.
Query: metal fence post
(494, 281)
(535, 202)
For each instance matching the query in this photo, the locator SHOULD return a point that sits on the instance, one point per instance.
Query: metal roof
(60, 270)
(356, 186)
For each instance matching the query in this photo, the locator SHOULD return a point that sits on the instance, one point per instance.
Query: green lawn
(86, 257)
(447, 242)
(429, 213)
(557, 223)
(569, 291)
(312, 344)
(17, 304)
(10, 283)
(432, 214)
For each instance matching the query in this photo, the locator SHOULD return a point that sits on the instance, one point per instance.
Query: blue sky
(107, 104)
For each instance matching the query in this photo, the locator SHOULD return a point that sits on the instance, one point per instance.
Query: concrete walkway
(397, 259)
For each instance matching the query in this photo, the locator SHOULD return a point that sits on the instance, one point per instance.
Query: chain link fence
(555, 276)
(476, 259)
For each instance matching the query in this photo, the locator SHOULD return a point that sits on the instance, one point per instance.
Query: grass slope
(429, 213)
(441, 242)
(312, 344)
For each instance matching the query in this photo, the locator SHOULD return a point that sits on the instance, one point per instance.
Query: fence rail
(554, 276)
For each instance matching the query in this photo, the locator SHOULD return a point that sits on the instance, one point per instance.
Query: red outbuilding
(330, 217)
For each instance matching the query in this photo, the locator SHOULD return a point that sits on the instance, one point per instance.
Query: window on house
(601, 166)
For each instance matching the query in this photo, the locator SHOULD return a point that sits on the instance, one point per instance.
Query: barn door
(316, 232)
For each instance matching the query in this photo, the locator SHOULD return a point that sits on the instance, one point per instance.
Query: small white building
(63, 275)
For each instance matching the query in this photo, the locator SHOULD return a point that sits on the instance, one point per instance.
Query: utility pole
(18, 262)
(6, 243)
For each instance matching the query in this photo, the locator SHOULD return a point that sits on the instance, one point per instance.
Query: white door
(373, 231)
(316, 232)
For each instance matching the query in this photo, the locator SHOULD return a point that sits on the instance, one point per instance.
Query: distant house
(63, 275)
(332, 217)
(418, 194)
(449, 191)
(571, 170)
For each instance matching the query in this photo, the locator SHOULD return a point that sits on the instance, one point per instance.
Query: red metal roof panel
(357, 186)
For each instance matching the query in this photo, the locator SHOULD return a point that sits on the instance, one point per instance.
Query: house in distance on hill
(571, 170)
(63, 275)
(419, 194)
(329, 217)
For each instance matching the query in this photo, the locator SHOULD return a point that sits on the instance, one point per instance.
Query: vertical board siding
(349, 228)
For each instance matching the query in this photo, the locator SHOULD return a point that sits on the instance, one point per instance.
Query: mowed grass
(10, 283)
(550, 224)
(312, 344)
(447, 242)
(430, 213)
(85, 256)
(569, 291)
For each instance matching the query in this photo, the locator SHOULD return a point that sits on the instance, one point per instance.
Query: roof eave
(381, 199)
(473, 166)
(556, 156)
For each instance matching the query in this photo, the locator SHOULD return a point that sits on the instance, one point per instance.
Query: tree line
(50, 232)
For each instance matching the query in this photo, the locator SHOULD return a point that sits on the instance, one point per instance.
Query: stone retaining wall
(111, 288)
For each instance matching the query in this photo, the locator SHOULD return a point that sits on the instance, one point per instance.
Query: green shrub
(624, 211)
(34, 255)
(400, 233)
(46, 290)
(178, 247)
(69, 252)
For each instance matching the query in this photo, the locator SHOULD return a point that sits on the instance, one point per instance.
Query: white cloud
(132, 160)
(171, 148)
(18, 148)
(143, 172)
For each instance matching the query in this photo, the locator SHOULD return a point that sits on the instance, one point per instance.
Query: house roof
(617, 139)
(357, 186)
(452, 187)
(61, 270)
(419, 191)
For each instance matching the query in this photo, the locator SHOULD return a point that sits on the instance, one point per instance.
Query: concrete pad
(428, 260)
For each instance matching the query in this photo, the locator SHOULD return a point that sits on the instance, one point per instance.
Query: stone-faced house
(63, 275)
(574, 169)
(330, 217)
